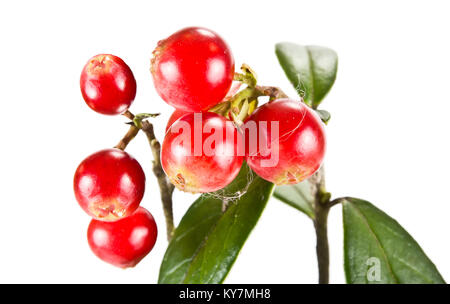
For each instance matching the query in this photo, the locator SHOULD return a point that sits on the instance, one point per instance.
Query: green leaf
(310, 69)
(298, 196)
(378, 250)
(324, 115)
(207, 240)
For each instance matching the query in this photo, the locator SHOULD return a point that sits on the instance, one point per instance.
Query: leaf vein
(377, 241)
(311, 71)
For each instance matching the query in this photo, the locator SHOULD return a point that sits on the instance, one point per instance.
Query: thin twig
(165, 186)
(273, 92)
(128, 115)
(123, 143)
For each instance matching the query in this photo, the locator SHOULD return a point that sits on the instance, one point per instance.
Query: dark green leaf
(207, 240)
(378, 250)
(311, 69)
(324, 115)
(298, 196)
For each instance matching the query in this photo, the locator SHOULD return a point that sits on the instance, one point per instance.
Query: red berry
(178, 113)
(126, 242)
(109, 184)
(292, 153)
(174, 117)
(193, 69)
(199, 152)
(107, 84)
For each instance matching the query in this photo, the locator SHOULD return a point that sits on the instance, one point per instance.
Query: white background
(388, 137)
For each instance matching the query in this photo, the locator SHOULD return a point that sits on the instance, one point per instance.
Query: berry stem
(245, 78)
(248, 76)
(123, 143)
(272, 92)
(165, 187)
(244, 102)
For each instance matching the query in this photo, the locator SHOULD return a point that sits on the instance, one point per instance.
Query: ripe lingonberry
(178, 113)
(126, 242)
(199, 152)
(291, 142)
(174, 117)
(192, 69)
(107, 84)
(109, 184)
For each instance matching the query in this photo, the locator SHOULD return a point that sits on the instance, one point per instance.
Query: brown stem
(165, 186)
(273, 92)
(123, 143)
(128, 115)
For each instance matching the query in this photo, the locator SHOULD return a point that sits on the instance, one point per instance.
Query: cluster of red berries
(193, 71)
(109, 184)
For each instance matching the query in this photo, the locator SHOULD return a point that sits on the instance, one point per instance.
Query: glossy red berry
(177, 114)
(292, 153)
(199, 152)
(109, 184)
(126, 242)
(107, 84)
(192, 69)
